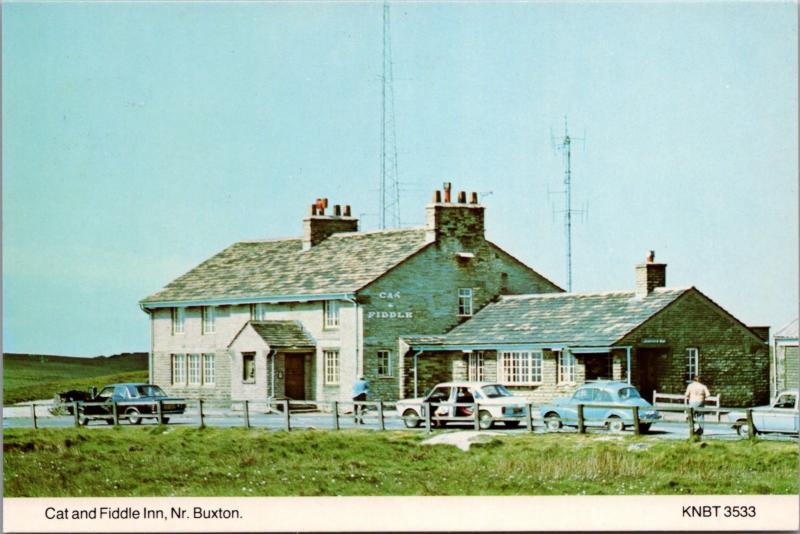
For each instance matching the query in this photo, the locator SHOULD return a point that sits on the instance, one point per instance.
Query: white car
(782, 415)
(494, 402)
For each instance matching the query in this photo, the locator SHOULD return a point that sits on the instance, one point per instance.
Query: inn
(546, 345)
(302, 318)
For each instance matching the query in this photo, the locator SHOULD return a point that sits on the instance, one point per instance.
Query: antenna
(390, 185)
(564, 144)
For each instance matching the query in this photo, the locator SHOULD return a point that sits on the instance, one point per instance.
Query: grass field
(168, 460)
(28, 377)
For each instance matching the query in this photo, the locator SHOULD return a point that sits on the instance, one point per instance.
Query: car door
(598, 415)
(583, 396)
(439, 394)
(783, 415)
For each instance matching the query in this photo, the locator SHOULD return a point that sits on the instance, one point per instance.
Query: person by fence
(696, 395)
(360, 390)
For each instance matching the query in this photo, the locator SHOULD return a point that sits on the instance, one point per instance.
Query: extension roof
(283, 334)
(790, 331)
(577, 319)
(342, 263)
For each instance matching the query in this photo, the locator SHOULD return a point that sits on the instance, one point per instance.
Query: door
(646, 361)
(294, 377)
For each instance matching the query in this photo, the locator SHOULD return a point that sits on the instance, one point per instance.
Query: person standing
(360, 390)
(696, 395)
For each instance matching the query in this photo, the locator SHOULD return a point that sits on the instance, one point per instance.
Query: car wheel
(85, 421)
(511, 424)
(109, 421)
(485, 420)
(615, 425)
(165, 420)
(133, 415)
(742, 429)
(552, 422)
(644, 428)
(410, 419)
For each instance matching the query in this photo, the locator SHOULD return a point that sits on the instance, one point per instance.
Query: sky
(142, 138)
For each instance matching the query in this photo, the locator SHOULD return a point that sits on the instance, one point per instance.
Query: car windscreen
(150, 391)
(628, 393)
(496, 390)
(786, 400)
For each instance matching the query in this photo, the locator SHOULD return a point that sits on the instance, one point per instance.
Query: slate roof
(284, 334)
(578, 319)
(790, 331)
(343, 263)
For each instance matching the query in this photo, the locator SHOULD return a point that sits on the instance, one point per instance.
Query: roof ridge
(274, 240)
(587, 293)
(379, 231)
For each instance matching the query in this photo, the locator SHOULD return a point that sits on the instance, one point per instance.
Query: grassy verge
(169, 461)
(47, 390)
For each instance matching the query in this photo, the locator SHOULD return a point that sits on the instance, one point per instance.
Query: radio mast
(390, 185)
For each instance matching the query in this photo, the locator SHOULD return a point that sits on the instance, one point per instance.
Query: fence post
(751, 429)
(636, 430)
(690, 418)
(76, 414)
(247, 414)
(200, 412)
(33, 415)
(581, 425)
(160, 412)
(115, 413)
(381, 423)
(428, 417)
(529, 420)
(476, 416)
(287, 425)
(335, 413)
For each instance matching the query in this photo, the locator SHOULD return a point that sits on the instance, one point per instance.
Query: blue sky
(140, 139)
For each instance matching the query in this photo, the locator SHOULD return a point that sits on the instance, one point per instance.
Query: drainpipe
(628, 363)
(271, 356)
(149, 312)
(416, 381)
(359, 363)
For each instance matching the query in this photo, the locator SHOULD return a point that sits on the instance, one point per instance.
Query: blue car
(564, 411)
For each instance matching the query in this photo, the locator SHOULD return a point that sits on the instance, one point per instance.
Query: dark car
(134, 403)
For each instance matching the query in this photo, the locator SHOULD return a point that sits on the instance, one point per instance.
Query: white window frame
(476, 370)
(520, 367)
(208, 314)
(179, 369)
(247, 356)
(567, 366)
(465, 302)
(692, 363)
(330, 358)
(258, 312)
(384, 360)
(194, 372)
(209, 371)
(178, 320)
(330, 314)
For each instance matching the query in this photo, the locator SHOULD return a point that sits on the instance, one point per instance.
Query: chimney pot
(337, 210)
(437, 197)
(447, 186)
(462, 197)
(474, 198)
(651, 257)
(347, 210)
(313, 209)
(325, 202)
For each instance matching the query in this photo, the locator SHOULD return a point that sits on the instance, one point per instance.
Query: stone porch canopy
(583, 323)
(284, 335)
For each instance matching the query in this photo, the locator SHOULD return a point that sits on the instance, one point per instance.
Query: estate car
(781, 415)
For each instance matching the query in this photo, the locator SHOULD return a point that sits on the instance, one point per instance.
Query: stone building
(786, 358)
(544, 346)
(302, 318)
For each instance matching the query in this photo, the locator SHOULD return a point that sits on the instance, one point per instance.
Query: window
(258, 312)
(584, 395)
(566, 367)
(330, 309)
(179, 369)
(465, 302)
(384, 363)
(178, 318)
(331, 361)
(476, 371)
(249, 367)
(194, 369)
(523, 367)
(208, 369)
(692, 363)
(208, 313)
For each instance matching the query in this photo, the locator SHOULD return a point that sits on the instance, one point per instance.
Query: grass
(169, 460)
(32, 377)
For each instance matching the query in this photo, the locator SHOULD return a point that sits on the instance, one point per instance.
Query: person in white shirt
(696, 395)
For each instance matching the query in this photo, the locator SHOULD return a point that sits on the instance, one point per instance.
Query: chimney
(461, 221)
(650, 275)
(317, 227)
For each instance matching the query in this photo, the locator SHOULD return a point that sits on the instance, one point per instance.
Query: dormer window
(178, 320)
(465, 302)
(330, 312)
